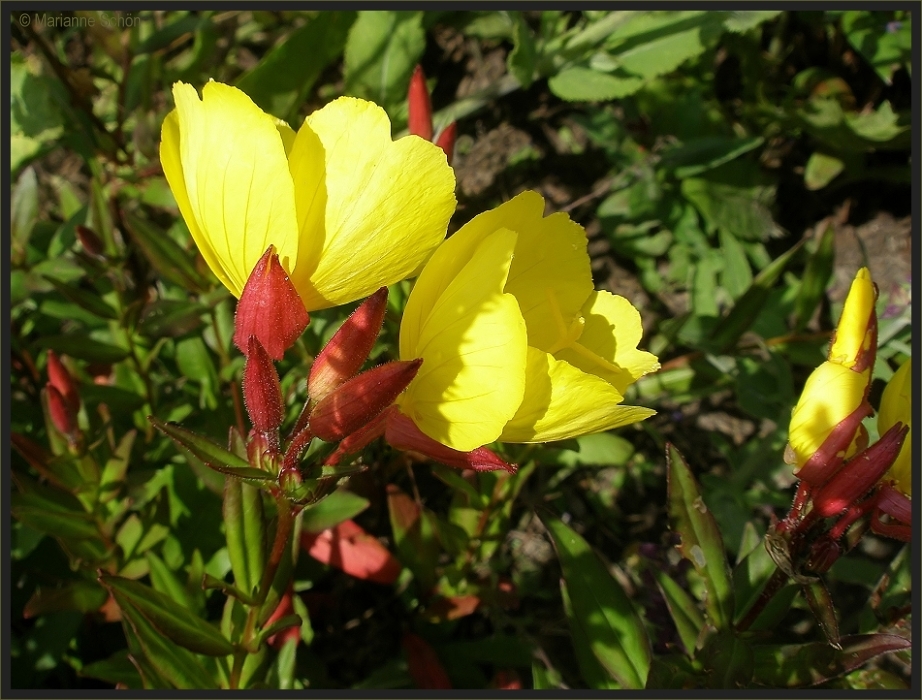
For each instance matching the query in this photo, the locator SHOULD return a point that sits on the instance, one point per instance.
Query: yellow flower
(837, 388)
(347, 209)
(896, 406)
(515, 343)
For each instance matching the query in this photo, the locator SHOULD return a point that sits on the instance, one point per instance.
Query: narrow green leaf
(282, 79)
(595, 674)
(167, 257)
(581, 84)
(544, 678)
(816, 278)
(803, 665)
(701, 542)
(332, 510)
(820, 602)
(82, 347)
(736, 276)
(245, 530)
(170, 618)
(91, 301)
(167, 317)
(209, 453)
(117, 669)
(821, 169)
(23, 211)
(165, 581)
(600, 607)
(684, 610)
(727, 660)
(706, 152)
(173, 663)
(113, 473)
(728, 331)
(82, 596)
(71, 526)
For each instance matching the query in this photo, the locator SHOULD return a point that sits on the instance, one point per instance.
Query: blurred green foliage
(710, 150)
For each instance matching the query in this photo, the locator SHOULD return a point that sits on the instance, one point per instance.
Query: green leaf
(170, 261)
(743, 20)
(736, 276)
(656, 43)
(211, 454)
(171, 619)
(820, 602)
(282, 79)
(821, 169)
(36, 121)
(245, 529)
(684, 610)
(816, 278)
(727, 660)
(601, 609)
(332, 510)
(543, 678)
(177, 665)
(196, 362)
(117, 669)
(728, 331)
(82, 347)
(91, 301)
(581, 84)
(381, 51)
(523, 57)
(697, 155)
(600, 449)
(113, 473)
(165, 581)
(23, 211)
(82, 596)
(594, 673)
(166, 317)
(883, 43)
(803, 665)
(700, 538)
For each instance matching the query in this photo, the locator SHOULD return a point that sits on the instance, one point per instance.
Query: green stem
(283, 530)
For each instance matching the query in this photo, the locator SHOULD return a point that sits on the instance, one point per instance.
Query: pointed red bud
(361, 399)
(61, 414)
(859, 474)
(419, 107)
(825, 462)
(61, 379)
(348, 349)
(446, 140)
(898, 507)
(401, 432)
(262, 392)
(269, 308)
(90, 241)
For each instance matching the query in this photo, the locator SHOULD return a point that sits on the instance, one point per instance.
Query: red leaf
(424, 665)
(453, 607)
(349, 548)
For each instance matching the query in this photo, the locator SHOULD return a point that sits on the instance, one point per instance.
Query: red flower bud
(823, 554)
(293, 633)
(859, 474)
(446, 140)
(357, 440)
(62, 416)
(90, 241)
(269, 308)
(361, 399)
(419, 107)
(401, 432)
(262, 392)
(61, 379)
(348, 349)
(825, 462)
(898, 507)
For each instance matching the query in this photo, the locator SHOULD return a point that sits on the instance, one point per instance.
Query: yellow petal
(852, 337)
(450, 257)
(550, 275)
(388, 204)
(608, 344)
(473, 345)
(831, 393)
(307, 163)
(562, 402)
(240, 192)
(896, 406)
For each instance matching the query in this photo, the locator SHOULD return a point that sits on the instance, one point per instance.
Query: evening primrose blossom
(516, 345)
(837, 390)
(896, 407)
(347, 209)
